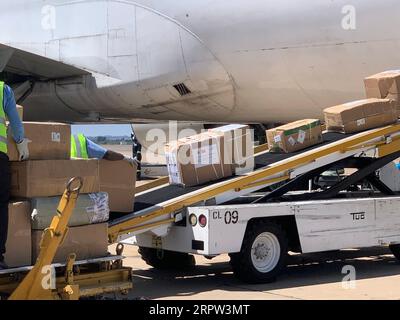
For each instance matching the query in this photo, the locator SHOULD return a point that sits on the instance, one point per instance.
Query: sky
(102, 130)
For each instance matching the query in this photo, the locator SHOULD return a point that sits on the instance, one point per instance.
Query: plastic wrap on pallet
(100, 211)
(90, 209)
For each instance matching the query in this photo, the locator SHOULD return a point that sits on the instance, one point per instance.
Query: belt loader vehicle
(257, 229)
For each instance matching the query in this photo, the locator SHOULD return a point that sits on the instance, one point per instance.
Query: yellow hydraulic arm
(34, 286)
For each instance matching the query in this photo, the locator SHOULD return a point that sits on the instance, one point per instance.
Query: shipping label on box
(205, 155)
(56, 137)
(175, 176)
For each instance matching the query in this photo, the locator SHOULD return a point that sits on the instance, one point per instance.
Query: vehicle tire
(395, 248)
(167, 260)
(263, 254)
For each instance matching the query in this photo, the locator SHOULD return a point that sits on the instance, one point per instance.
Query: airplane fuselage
(199, 60)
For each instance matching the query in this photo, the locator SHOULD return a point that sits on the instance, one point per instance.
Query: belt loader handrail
(385, 140)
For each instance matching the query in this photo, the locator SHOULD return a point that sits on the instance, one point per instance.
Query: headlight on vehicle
(193, 220)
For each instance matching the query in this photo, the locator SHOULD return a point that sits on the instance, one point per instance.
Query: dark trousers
(5, 184)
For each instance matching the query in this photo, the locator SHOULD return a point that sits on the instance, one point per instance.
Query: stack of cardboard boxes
(346, 118)
(36, 187)
(381, 108)
(213, 155)
(42, 180)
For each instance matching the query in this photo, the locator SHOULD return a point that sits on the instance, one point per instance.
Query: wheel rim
(265, 252)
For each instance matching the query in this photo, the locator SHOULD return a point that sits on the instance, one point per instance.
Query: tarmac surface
(308, 277)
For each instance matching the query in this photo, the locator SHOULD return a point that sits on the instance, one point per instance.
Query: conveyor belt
(161, 195)
(166, 193)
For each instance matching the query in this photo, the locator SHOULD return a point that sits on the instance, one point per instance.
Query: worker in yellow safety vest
(84, 148)
(8, 110)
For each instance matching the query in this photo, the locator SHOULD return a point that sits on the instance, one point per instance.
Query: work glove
(23, 149)
(133, 162)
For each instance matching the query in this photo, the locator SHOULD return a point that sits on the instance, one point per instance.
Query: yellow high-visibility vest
(3, 127)
(79, 147)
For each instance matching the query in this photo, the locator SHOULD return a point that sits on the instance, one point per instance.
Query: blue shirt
(94, 150)
(10, 109)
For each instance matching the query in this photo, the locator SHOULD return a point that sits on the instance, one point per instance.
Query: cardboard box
(239, 146)
(90, 208)
(384, 85)
(19, 239)
(48, 178)
(118, 179)
(87, 242)
(50, 141)
(197, 160)
(361, 115)
(295, 136)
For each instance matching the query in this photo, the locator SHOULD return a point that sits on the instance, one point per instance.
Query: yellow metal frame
(264, 182)
(34, 285)
(88, 284)
(152, 184)
(389, 148)
(175, 205)
(152, 225)
(261, 148)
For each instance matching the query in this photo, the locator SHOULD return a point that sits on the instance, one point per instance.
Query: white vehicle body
(321, 226)
(256, 61)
